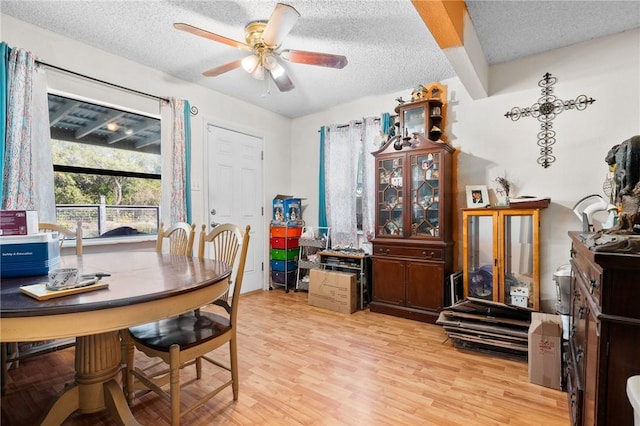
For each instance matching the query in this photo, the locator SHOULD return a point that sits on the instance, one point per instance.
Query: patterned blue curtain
(27, 175)
(187, 155)
(386, 123)
(176, 150)
(4, 81)
(322, 202)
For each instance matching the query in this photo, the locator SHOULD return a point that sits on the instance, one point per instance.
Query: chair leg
(199, 368)
(4, 348)
(174, 383)
(128, 352)
(233, 355)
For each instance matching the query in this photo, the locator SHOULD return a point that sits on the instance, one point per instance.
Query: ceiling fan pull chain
(266, 89)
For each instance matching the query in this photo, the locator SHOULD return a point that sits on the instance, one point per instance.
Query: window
(107, 167)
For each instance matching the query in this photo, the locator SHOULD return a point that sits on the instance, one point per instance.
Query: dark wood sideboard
(604, 336)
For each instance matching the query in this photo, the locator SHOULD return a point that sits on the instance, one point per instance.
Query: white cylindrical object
(633, 392)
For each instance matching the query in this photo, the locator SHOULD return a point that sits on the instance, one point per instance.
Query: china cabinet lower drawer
(423, 253)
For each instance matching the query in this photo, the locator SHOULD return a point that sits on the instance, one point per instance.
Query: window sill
(97, 245)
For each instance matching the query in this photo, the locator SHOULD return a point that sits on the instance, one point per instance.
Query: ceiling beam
(149, 141)
(451, 27)
(98, 123)
(62, 112)
(68, 136)
(123, 134)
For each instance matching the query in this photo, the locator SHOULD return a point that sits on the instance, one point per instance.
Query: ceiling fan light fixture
(271, 63)
(250, 63)
(258, 73)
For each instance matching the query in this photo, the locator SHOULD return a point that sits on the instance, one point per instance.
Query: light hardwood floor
(301, 365)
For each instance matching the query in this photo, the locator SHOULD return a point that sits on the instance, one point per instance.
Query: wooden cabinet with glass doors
(501, 255)
(412, 248)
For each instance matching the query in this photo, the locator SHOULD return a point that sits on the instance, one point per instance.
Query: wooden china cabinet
(412, 248)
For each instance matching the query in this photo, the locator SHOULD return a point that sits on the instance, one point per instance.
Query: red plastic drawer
(284, 243)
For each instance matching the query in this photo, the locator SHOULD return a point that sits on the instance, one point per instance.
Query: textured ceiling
(388, 46)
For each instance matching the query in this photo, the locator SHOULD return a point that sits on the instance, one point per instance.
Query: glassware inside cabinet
(480, 257)
(425, 195)
(414, 121)
(390, 196)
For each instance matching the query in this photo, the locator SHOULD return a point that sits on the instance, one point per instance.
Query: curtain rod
(101, 81)
(341, 126)
(357, 123)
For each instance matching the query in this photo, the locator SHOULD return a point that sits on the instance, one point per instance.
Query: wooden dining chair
(222, 242)
(179, 238)
(186, 340)
(65, 233)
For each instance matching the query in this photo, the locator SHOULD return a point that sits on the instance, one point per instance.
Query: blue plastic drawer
(281, 265)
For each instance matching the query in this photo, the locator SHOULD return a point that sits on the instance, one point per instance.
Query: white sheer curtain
(370, 142)
(28, 165)
(350, 170)
(341, 165)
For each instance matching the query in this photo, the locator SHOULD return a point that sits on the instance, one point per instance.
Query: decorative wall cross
(545, 110)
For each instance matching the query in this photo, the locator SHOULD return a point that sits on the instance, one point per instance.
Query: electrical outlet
(195, 186)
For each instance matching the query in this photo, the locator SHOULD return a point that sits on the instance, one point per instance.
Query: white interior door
(235, 193)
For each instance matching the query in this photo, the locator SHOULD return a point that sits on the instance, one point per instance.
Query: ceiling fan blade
(282, 20)
(213, 72)
(211, 36)
(314, 58)
(282, 80)
(277, 73)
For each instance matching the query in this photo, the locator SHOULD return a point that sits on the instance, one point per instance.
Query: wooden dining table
(142, 287)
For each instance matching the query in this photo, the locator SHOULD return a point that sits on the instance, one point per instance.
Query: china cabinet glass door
(500, 255)
(414, 120)
(481, 256)
(425, 195)
(390, 196)
(518, 268)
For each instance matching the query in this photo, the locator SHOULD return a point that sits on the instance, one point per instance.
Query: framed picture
(477, 196)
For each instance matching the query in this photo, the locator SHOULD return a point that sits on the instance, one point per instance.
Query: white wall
(490, 145)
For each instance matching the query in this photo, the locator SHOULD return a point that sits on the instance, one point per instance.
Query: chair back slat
(225, 241)
(179, 238)
(65, 233)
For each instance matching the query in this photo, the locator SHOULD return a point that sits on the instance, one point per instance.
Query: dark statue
(625, 160)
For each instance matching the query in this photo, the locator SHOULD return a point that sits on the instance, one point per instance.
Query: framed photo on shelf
(477, 196)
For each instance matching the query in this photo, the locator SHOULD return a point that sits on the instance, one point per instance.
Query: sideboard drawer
(574, 393)
(423, 253)
(591, 276)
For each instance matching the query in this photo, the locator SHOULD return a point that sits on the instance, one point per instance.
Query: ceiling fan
(263, 38)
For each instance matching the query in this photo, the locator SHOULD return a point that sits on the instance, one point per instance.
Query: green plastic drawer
(292, 254)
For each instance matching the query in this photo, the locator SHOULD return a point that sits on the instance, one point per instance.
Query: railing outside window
(98, 219)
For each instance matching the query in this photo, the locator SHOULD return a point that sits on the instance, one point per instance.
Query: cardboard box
(336, 291)
(18, 222)
(286, 208)
(29, 255)
(545, 350)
